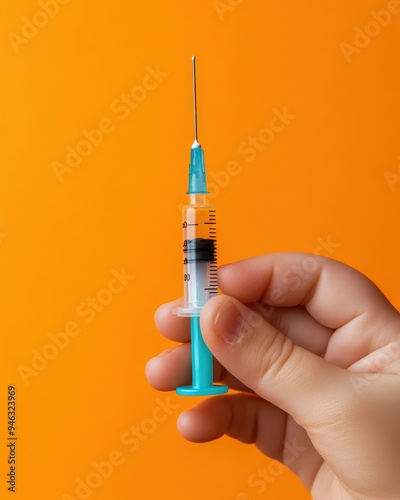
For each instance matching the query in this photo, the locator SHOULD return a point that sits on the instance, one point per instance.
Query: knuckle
(273, 356)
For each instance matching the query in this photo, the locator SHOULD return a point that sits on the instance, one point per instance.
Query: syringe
(199, 265)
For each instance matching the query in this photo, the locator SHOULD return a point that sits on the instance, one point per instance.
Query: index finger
(170, 325)
(332, 292)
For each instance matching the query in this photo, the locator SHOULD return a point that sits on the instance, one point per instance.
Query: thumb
(265, 360)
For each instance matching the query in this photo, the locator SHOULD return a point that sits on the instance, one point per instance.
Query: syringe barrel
(199, 255)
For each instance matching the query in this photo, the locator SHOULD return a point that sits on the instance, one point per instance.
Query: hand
(314, 348)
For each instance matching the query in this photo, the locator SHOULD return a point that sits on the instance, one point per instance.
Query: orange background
(331, 174)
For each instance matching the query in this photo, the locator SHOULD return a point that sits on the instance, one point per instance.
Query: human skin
(313, 346)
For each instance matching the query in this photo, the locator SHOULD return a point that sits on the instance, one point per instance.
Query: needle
(194, 97)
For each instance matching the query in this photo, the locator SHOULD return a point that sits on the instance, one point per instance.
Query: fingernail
(228, 323)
